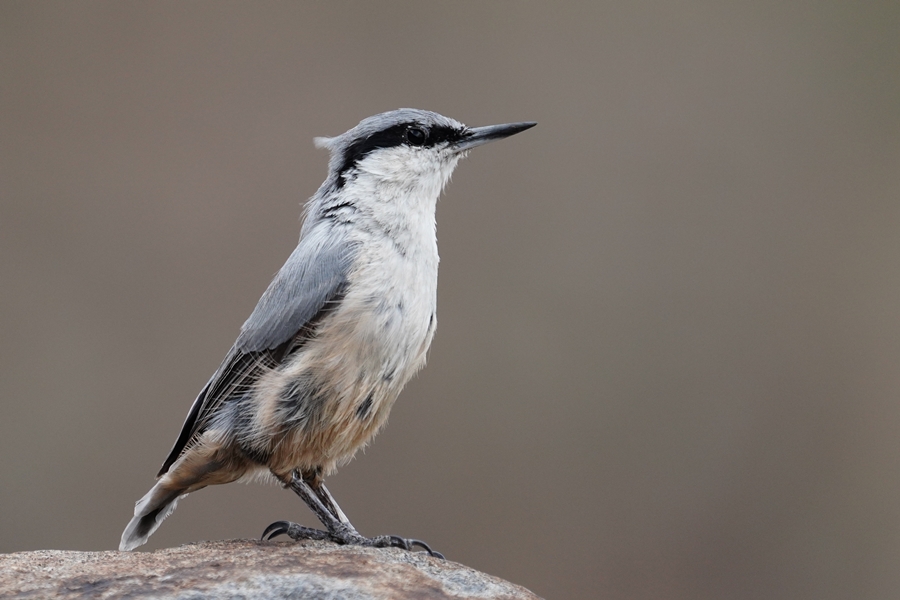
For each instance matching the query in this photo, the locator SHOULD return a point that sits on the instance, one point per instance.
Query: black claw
(399, 542)
(425, 547)
(275, 529)
(395, 541)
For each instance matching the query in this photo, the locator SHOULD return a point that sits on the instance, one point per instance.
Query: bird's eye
(416, 136)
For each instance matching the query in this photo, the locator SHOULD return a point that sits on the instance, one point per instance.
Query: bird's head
(406, 148)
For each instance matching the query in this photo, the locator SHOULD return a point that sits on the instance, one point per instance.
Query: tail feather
(199, 467)
(149, 512)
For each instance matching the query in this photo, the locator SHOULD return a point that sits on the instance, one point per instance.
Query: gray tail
(149, 512)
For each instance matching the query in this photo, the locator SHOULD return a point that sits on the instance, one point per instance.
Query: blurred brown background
(667, 358)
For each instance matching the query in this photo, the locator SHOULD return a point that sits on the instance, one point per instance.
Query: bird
(342, 327)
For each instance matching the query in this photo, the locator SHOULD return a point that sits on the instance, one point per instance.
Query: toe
(275, 529)
(425, 547)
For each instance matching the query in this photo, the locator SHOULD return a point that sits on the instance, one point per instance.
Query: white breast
(392, 293)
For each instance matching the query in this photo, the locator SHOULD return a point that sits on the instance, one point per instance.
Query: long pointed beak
(482, 135)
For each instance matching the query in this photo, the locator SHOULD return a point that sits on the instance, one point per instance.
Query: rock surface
(247, 570)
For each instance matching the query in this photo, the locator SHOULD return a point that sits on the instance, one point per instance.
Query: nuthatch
(340, 330)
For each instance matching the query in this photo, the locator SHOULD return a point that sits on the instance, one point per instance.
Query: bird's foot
(344, 536)
(294, 531)
(394, 541)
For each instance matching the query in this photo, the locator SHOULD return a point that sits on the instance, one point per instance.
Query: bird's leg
(303, 487)
(328, 500)
(340, 530)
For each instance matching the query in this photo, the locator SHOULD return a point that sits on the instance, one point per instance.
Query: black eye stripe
(391, 137)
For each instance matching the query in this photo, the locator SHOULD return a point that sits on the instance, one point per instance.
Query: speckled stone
(247, 570)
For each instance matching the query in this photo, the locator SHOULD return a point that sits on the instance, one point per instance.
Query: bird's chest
(391, 302)
(391, 294)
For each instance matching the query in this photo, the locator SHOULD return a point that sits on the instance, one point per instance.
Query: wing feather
(309, 285)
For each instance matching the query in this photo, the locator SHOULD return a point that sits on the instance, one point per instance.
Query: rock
(247, 570)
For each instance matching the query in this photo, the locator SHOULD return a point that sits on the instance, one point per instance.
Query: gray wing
(309, 279)
(309, 284)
